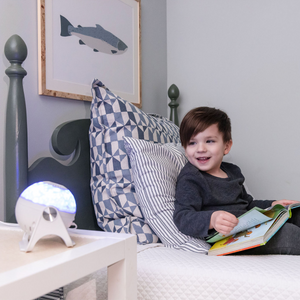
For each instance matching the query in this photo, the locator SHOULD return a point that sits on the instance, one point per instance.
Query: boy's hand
(284, 202)
(223, 221)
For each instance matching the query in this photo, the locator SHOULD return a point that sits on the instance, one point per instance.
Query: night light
(45, 208)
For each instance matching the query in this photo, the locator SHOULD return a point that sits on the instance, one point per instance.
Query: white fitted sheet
(165, 273)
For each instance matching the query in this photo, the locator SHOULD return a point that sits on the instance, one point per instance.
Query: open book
(254, 229)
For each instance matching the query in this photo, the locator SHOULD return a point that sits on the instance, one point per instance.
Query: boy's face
(206, 150)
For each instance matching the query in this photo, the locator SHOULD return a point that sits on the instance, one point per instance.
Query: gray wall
(244, 57)
(45, 113)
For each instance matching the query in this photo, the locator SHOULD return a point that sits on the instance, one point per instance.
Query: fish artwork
(97, 38)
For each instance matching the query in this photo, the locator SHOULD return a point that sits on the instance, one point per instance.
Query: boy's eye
(191, 143)
(210, 141)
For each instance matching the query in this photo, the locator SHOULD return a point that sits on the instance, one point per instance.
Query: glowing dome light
(51, 194)
(45, 208)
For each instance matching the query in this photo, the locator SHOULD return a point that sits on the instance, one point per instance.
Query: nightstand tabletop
(51, 264)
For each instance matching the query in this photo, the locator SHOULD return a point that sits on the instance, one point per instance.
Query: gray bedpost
(173, 93)
(16, 153)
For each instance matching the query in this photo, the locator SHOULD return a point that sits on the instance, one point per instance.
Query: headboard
(68, 138)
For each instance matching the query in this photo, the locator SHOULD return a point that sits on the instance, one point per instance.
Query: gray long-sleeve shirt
(199, 194)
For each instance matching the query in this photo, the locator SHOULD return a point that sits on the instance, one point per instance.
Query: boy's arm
(223, 221)
(284, 202)
(191, 222)
(188, 215)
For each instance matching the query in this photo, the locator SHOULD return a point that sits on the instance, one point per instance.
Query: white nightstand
(51, 264)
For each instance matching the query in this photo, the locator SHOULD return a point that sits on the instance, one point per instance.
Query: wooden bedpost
(173, 93)
(16, 151)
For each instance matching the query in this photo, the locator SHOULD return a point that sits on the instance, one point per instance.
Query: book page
(244, 236)
(247, 220)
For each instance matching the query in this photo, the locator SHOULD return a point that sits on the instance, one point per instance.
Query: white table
(51, 264)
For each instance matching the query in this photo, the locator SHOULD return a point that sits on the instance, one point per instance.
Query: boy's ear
(228, 146)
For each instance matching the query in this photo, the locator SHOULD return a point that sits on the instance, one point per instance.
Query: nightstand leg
(122, 276)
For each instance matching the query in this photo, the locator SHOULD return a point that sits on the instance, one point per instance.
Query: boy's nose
(201, 147)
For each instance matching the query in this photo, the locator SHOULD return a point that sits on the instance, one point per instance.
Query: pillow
(116, 206)
(155, 170)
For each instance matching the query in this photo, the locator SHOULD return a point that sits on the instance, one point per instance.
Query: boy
(210, 194)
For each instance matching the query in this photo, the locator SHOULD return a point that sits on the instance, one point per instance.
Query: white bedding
(165, 273)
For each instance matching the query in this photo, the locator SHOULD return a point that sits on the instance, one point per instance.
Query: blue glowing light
(50, 194)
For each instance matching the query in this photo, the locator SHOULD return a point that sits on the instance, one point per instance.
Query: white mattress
(165, 273)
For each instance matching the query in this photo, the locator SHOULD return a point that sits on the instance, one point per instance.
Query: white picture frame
(67, 65)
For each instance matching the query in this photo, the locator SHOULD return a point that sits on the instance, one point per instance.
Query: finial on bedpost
(16, 153)
(173, 94)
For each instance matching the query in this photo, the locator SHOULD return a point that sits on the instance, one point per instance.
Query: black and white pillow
(113, 118)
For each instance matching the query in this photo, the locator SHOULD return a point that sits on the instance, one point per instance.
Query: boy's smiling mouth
(203, 159)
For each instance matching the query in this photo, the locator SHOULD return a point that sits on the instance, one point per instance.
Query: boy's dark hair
(199, 119)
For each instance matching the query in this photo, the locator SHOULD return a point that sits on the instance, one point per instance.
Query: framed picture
(80, 41)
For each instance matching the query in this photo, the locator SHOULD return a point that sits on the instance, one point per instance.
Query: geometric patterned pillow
(155, 169)
(112, 118)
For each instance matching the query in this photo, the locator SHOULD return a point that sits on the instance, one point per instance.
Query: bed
(122, 172)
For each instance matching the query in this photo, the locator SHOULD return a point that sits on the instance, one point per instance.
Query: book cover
(252, 218)
(255, 235)
(249, 238)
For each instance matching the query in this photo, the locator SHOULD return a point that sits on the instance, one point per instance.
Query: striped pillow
(155, 168)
